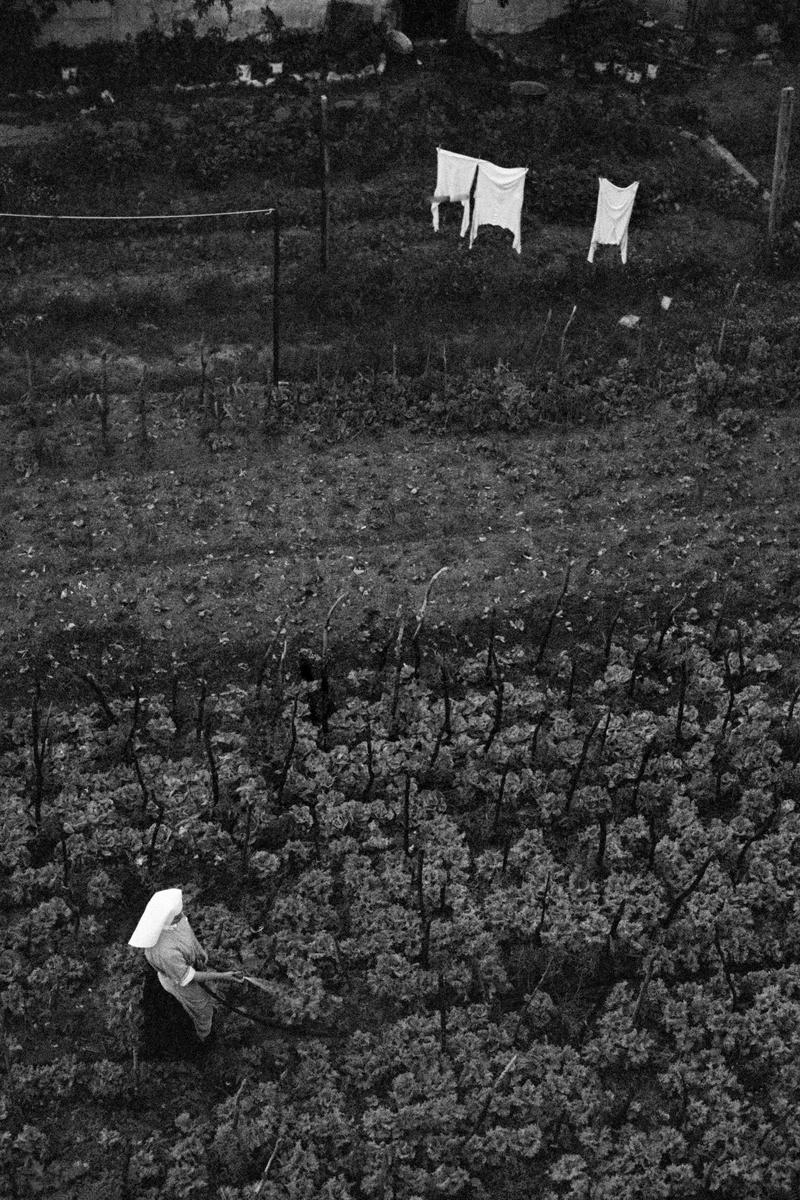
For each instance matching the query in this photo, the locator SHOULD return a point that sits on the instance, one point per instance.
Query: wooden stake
(324, 172)
(781, 160)
(276, 296)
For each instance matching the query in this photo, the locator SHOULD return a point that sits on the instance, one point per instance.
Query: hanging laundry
(454, 177)
(499, 192)
(614, 208)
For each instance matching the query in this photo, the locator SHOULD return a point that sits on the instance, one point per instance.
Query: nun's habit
(175, 953)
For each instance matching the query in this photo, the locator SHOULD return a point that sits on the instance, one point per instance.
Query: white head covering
(162, 907)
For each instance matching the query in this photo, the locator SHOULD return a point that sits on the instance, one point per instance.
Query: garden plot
(513, 843)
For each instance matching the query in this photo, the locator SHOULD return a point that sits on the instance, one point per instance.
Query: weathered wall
(83, 22)
(518, 16)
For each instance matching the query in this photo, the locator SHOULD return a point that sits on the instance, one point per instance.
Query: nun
(171, 948)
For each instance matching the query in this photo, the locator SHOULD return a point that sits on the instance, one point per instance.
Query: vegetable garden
(515, 844)
(528, 920)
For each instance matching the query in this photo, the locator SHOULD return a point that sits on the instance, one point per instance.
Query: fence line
(238, 212)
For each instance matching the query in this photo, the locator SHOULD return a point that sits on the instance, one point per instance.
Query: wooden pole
(276, 297)
(781, 160)
(324, 172)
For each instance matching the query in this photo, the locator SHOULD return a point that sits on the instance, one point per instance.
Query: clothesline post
(324, 172)
(781, 161)
(276, 296)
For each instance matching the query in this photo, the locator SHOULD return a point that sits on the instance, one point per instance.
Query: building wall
(518, 16)
(83, 22)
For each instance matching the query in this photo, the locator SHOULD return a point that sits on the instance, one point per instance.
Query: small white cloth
(614, 208)
(454, 176)
(499, 192)
(161, 908)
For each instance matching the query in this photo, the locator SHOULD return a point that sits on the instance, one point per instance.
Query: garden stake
(610, 635)
(212, 766)
(324, 157)
(681, 701)
(276, 297)
(263, 666)
(506, 851)
(422, 611)
(581, 763)
(446, 690)
(740, 649)
(552, 617)
(103, 406)
(545, 327)
(602, 821)
(537, 933)
(370, 766)
(731, 695)
(140, 780)
(731, 303)
(564, 336)
(499, 687)
(201, 705)
(406, 816)
(442, 1014)
(324, 684)
(535, 739)
(265, 1172)
(490, 659)
(498, 804)
(39, 750)
(781, 162)
(571, 684)
(201, 397)
(667, 622)
(287, 762)
(725, 969)
(757, 834)
(646, 756)
(397, 671)
(173, 708)
(144, 437)
(680, 899)
(98, 691)
(643, 990)
(159, 821)
(614, 926)
(126, 749)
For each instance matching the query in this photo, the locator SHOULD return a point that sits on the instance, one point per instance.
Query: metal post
(276, 296)
(781, 160)
(324, 171)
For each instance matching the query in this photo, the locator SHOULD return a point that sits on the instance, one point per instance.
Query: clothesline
(492, 195)
(237, 212)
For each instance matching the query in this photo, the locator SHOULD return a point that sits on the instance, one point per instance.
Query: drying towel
(454, 176)
(499, 192)
(614, 208)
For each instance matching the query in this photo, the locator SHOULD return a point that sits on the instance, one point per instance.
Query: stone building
(85, 21)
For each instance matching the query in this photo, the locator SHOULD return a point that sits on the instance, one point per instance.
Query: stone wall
(83, 22)
(518, 16)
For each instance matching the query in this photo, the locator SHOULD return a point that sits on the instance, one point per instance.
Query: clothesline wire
(239, 212)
